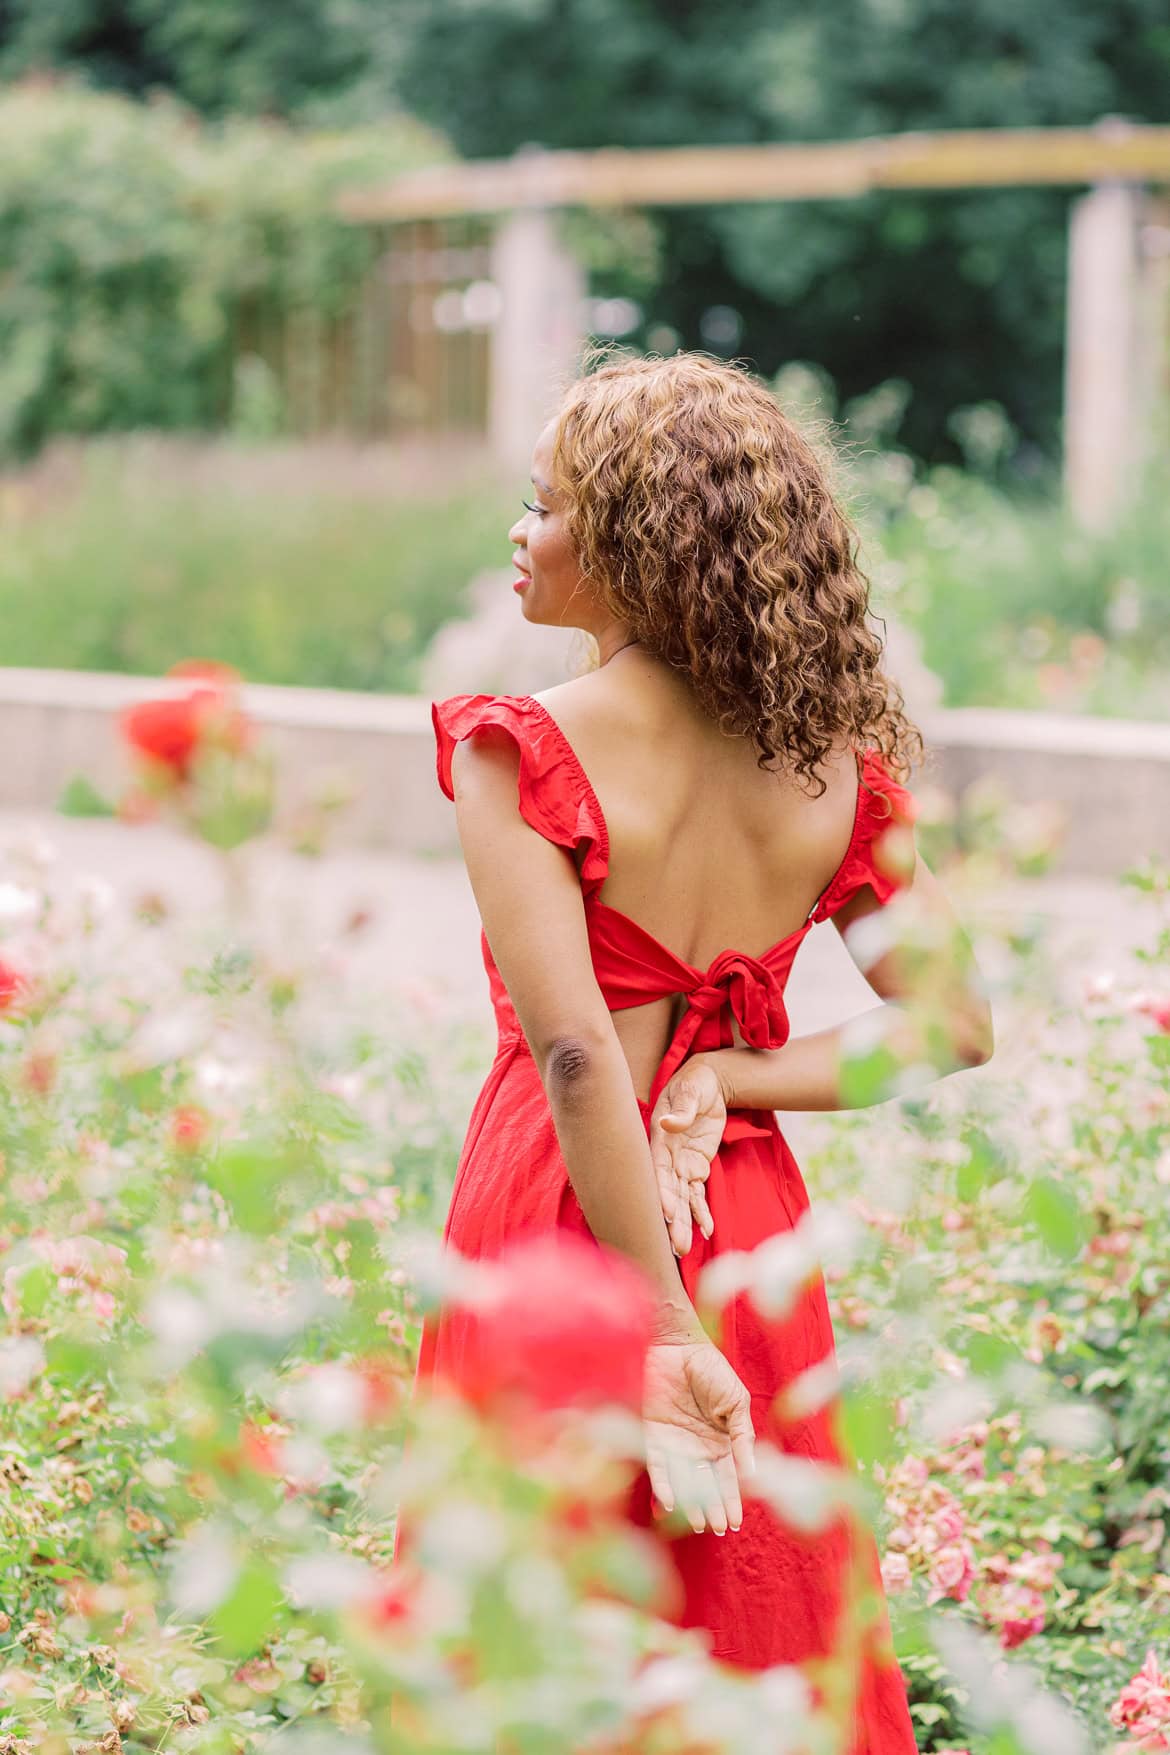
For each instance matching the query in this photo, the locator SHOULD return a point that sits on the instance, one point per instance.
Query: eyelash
(528, 507)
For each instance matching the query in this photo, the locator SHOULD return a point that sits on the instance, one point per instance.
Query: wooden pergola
(1119, 253)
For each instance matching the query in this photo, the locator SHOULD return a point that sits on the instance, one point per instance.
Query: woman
(682, 521)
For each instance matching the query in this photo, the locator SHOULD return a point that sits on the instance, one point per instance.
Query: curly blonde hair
(705, 519)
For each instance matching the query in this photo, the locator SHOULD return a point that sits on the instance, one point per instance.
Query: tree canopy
(959, 294)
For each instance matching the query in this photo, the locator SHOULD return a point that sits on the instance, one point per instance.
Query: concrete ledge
(1108, 778)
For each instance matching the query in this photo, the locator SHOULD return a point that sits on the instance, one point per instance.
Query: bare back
(708, 852)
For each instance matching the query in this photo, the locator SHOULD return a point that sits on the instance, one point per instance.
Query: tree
(255, 57)
(962, 295)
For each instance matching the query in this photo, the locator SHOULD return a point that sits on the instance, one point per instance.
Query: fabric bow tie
(753, 993)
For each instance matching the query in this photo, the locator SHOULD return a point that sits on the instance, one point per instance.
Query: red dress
(767, 1594)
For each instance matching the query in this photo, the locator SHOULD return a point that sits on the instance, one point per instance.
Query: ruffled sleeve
(881, 851)
(555, 797)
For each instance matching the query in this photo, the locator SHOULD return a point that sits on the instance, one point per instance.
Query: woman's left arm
(529, 896)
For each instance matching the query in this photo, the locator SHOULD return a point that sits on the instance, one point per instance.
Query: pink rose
(1138, 1689)
(951, 1573)
(896, 1573)
(1038, 1569)
(951, 1524)
(1016, 1629)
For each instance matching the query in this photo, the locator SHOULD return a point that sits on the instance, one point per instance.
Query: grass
(332, 565)
(1015, 606)
(314, 565)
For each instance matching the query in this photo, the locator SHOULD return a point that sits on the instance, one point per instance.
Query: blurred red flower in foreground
(262, 1447)
(170, 732)
(12, 986)
(1155, 1006)
(189, 1127)
(393, 1601)
(564, 1322)
(39, 1071)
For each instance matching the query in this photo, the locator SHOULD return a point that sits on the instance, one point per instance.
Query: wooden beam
(1113, 150)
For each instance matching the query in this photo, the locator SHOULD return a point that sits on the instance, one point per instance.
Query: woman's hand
(686, 1126)
(700, 1442)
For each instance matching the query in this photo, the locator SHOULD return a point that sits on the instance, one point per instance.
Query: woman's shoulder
(618, 704)
(554, 794)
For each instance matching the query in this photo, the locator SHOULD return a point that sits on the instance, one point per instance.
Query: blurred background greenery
(175, 263)
(236, 424)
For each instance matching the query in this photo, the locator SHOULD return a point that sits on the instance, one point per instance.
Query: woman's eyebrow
(541, 485)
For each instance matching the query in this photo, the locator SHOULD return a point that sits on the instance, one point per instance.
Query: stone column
(1103, 442)
(1153, 364)
(538, 334)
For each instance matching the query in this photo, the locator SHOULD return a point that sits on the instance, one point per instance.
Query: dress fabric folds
(766, 1594)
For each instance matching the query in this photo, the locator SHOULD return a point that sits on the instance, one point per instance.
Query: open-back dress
(766, 1593)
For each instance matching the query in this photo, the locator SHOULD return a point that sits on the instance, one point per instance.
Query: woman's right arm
(935, 1014)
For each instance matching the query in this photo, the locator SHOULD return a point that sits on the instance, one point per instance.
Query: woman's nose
(516, 534)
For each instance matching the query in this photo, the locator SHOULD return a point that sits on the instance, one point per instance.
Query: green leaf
(244, 1619)
(867, 1078)
(1055, 1214)
(1005, 1741)
(248, 1174)
(986, 1165)
(72, 1361)
(80, 798)
(34, 1287)
(1158, 1049)
(988, 1355)
(868, 1423)
(234, 797)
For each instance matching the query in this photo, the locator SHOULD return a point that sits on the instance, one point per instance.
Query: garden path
(413, 929)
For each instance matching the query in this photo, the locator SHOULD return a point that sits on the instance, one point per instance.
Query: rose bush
(221, 1172)
(1001, 1314)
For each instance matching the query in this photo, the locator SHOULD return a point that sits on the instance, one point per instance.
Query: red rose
(189, 1127)
(39, 1072)
(565, 1322)
(393, 1600)
(382, 1387)
(262, 1448)
(13, 985)
(1157, 1007)
(170, 732)
(1018, 1628)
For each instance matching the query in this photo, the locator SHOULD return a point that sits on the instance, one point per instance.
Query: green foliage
(961, 294)
(219, 55)
(142, 249)
(262, 560)
(1013, 603)
(1009, 1300)
(211, 1329)
(117, 555)
(903, 278)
